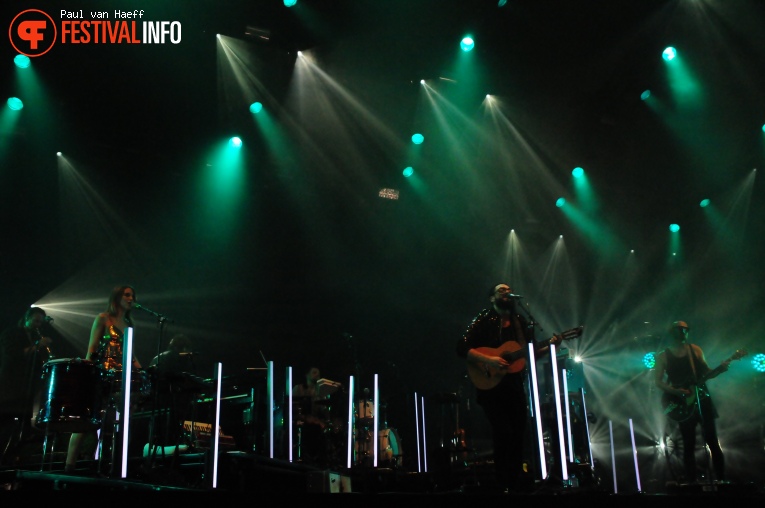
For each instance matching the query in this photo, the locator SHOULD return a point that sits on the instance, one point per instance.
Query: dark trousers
(709, 433)
(507, 415)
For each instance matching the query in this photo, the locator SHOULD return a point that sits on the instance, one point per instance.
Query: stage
(188, 479)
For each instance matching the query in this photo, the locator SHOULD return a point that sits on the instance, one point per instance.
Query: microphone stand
(162, 320)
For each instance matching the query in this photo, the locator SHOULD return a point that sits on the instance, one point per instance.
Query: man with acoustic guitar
(686, 399)
(499, 383)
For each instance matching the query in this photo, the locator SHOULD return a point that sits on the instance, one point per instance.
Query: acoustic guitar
(485, 377)
(679, 408)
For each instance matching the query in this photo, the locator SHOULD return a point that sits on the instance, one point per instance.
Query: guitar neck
(719, 369)
(712, 373)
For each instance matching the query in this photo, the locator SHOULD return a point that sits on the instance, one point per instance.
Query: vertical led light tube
(271, 407)
(556, 387)
(350, 423)
(535, 391)
(424, 441)
(634, 454)
(376, 422)
(216, 428)
(587, 427)
(568, 418)
(417, 431)
(127, 376)
(613, 455)
(289, 413)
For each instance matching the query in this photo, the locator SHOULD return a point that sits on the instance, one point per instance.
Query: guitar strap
(695, 381)
(693, 364)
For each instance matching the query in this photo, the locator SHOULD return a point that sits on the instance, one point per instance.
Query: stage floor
(250, 475)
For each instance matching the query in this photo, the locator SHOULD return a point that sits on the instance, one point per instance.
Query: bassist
(680, 371)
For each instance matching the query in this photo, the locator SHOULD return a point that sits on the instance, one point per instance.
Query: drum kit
(388, 440)
(321, 432)
(78, 396)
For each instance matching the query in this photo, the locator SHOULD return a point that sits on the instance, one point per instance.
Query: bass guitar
(485, 377)
(679, 408)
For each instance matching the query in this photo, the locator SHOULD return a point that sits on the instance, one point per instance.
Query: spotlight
(467, 44)
(645, 95)
(15, 103)
(236, 142)
(388, 193)
(560, 202)
(417, 139)
(649, 360)
(577, 172)
(256, 107)
(758, 362)
(669, 53)
(409, 171)
(22, 61)
(704, 203)
(674, 228)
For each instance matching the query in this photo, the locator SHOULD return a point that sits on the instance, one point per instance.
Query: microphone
(48, 319)
(510, 295)
(156, 314)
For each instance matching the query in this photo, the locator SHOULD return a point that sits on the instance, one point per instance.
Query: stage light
(649, 360)
(674, 228)
(236, 142)
(257, 33)
(256, 107)
(704, 203)
(386, 193)
(669, 53)
(15, 103)
(22, 61)
(408, 171)
(577, 172)
(467, 44)
(417, 139)
(289, 3)
(560, 202)
(758, 362)
(645, 95)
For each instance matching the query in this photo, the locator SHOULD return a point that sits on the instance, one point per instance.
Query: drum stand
(108, 429)
(45, 449)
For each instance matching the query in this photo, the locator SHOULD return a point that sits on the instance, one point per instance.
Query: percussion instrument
(71, 400)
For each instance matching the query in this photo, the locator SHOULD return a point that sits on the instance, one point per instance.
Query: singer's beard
(505, 304)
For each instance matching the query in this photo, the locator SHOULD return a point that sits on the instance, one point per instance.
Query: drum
(140, 383)
(71, 400)
(365, 410)
(389, 448)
